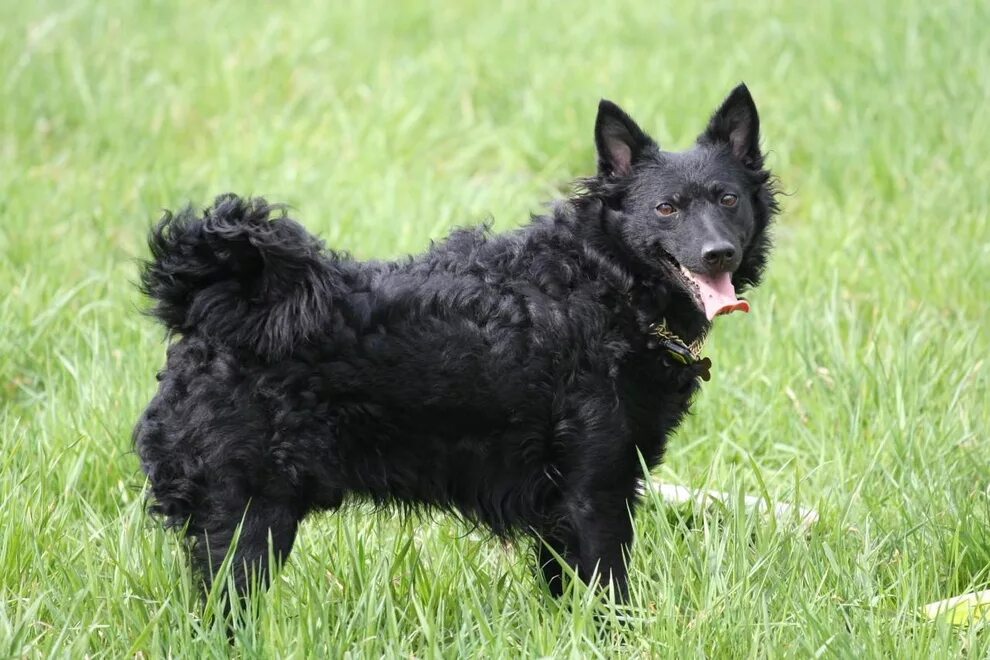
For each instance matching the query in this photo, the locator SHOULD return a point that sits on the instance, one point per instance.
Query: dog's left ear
(619, 140)
(737, 124)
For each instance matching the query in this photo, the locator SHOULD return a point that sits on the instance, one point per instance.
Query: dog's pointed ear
(737, 124)
(619, 140)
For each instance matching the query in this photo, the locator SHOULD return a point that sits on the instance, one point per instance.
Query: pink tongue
(718, 294)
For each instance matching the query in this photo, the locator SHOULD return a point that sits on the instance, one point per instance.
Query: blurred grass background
(858, 385)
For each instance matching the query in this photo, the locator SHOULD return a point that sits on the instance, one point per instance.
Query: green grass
(858, 385)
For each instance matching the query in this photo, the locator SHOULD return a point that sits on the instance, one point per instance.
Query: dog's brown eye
(666, 209)
(729, 200)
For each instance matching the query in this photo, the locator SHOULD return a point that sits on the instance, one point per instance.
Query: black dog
(515, 379)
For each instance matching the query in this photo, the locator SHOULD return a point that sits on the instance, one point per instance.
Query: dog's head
(700, 214)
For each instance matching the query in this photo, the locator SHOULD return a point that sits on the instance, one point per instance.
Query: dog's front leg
(601, 492)
(602, 522)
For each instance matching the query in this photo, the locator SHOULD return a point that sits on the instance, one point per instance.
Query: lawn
(857, 386)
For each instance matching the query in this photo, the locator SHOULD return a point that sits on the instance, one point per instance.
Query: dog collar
(681, 351)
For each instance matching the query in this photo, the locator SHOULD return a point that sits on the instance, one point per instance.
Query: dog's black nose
(718, 254)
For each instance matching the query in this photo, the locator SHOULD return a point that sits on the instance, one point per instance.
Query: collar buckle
(681, 351)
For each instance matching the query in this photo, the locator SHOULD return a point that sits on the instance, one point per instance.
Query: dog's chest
(655, 395)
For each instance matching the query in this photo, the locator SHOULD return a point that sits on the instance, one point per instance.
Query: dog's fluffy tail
(242, 273)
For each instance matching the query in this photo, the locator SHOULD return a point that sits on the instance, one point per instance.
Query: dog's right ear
(618, 139)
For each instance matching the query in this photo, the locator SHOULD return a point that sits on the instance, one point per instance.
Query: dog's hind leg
(260, 532)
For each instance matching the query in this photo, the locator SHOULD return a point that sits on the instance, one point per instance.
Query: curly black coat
(510, 378)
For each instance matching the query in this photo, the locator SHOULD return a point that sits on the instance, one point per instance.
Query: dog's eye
(729, 200)
(665, 209)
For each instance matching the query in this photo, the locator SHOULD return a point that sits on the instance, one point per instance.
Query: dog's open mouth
(714, 294)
